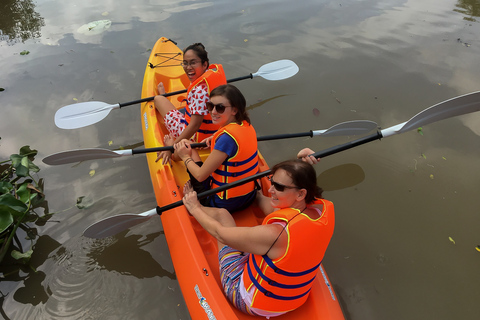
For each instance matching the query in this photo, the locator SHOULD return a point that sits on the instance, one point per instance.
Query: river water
(407, 206)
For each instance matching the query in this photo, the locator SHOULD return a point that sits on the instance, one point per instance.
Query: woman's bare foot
(168, 140)
(161, 88)
(187, 188)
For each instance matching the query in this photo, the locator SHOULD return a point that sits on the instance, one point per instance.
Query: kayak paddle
(342, 129)
(457, 106)
(83, 114)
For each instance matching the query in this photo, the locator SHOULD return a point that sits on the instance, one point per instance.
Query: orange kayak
(193, 250)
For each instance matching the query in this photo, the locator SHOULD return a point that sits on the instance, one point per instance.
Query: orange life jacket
(213, 77)
(241, 165)
(283, 284)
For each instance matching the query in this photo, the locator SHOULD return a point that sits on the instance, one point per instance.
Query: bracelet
(187, 161)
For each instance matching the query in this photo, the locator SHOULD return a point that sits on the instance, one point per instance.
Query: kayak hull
(194, 252)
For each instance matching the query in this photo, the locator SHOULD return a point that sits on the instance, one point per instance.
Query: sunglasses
(219, 107)
(281, 187)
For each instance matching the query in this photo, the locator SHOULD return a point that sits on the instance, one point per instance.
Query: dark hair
(236, 99)
(199, 51)
(303, 176)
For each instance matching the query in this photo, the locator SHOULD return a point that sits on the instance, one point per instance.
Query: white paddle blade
(348, 128)
(277, 70)
(112, 225)
(82, 114)
(453, 107)
(78, 155)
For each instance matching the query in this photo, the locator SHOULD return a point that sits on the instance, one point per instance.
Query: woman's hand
(166, 157)
(208, 141)
(190, 201)
(306, 155)
(183, 149)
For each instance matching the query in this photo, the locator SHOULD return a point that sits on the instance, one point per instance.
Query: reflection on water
(262, 102)
(19, 21)
(32, 292)
(341, 177)
(89, 279)
(470, 8)
(114, 257)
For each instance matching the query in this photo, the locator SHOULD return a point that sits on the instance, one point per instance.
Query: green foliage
(20, 196)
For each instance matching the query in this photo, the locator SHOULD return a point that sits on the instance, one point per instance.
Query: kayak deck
(194, 252)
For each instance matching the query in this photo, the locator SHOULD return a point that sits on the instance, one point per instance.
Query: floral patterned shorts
(175, 123)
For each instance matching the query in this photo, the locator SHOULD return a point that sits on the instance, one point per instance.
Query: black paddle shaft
(121, 105)
(321, 154)
(150, 98)
(203, 145)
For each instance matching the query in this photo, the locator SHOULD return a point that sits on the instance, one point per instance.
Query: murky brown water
(399, 201)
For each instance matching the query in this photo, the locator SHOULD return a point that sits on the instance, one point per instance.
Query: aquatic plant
(21, 196)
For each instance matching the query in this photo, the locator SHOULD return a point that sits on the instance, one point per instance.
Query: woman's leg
(163, 105)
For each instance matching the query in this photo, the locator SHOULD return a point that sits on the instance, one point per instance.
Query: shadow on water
(20, 21)
(260, 103)
(115, 257)
(32, 291)
(341, 177)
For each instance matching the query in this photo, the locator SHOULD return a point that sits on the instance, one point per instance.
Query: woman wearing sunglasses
(196, 124)
(268, 270)
(233, 153)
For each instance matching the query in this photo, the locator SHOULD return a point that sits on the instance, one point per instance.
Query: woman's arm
(219, 223)
(264, 203)
(192, 128)
(213, 161)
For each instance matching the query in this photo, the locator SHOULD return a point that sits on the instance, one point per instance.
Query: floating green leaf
(424, 156)
(20, 164)
(23, 192)
(12, 204)
(95, 27)
(25, 257)
(26, 151)
(450, 238)
(5, 187)
(420, 130)
(81, 205)
(24, 52)
(6, 220)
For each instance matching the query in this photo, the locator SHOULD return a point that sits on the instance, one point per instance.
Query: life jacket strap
(270, 294)
(277, 284)
(239, 163)
(235, 174)
(286, 273)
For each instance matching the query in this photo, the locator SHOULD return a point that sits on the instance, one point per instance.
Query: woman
(233, 153)
(196, 124)
(268, 270)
